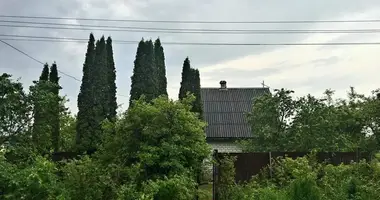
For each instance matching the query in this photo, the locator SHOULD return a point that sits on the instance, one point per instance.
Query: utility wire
(187, 29)
(40, 62)
(192, 21)
(60, 39)
(354, 31)
(22, 52)
(29, 56)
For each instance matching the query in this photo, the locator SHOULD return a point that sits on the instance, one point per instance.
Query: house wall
(225, 146)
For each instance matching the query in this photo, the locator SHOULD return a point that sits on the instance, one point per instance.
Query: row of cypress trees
(149, 75)
(149, 72)
(97, 96)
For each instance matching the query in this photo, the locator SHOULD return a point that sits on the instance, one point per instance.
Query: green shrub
(304, 189)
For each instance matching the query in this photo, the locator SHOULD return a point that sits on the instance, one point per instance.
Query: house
(224, 111)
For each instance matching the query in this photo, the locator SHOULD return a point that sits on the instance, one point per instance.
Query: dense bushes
(152, 152)
(305, 179)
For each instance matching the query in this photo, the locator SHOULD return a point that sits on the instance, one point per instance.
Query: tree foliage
(15, 110)
(97, 97)
(185, 79)
(190, 83)
(85, 100)
(111, 96)
(154, 150)
(144, 78)
(163, 136)
(56, 107)
(44, 95)
(161, 68)
(281, 122)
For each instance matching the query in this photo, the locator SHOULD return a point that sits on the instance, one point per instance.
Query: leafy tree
(35, 181)
(67, 132)
(160, 64)
(281, 123)
(15, 110)
(226, 181)
(111, 96)
(86, 179)
(163, 137)
(85, 100)
(55, 109)
(371, 115)
(272, 111)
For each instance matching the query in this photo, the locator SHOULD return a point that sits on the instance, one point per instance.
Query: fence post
(215, 174)
(270, 164)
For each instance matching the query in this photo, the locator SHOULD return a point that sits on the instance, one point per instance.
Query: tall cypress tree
(45, 73)
(112, 103)
(85, 99)
(137, 81)
(144, 78)
(197, 105)
(55, 109)
(151, 86)
(100, 84)
(191, 83)
(161, 69)
(185, 82)
(41, 117)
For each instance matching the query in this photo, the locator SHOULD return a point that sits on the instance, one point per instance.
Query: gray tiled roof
(224, 111)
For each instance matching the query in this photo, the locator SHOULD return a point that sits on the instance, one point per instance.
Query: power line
(22, 52)
(29, 56)
(60, 39)
(194, 22)
(40, 62)
(353, 31)
(185, 29)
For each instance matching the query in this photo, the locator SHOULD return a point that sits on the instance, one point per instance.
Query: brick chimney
(223, 85)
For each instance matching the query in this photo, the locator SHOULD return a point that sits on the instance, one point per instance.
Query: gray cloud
(325, 61)
(70, 56)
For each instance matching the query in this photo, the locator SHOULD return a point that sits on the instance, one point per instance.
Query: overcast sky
(305, 69)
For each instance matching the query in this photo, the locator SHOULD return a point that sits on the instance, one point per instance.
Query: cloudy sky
(305, 69)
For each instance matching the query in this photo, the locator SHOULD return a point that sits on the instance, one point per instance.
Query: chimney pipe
(223, 84)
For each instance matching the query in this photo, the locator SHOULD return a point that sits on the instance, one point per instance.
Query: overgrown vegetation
(151, 152)
(156, 150)
(305, 179)
(281, 122)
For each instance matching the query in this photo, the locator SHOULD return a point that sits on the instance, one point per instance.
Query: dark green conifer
(161, 69)
(41, 125)
(185, 80)
(191, 83)
(144, 78)
(112, 103)
(85, 99)
(55, 108)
